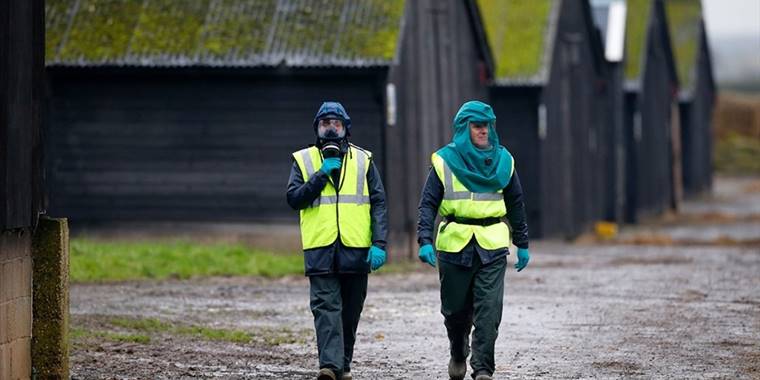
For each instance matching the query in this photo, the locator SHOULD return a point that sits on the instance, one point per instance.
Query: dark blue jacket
(337, 258)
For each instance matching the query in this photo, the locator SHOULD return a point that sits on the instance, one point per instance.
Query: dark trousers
(473, 297)
(336, 302)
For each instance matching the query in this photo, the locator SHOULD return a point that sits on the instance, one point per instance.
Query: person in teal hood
(474, 186)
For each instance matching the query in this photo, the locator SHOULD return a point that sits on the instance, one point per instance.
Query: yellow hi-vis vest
(460, 202)
(345, 213)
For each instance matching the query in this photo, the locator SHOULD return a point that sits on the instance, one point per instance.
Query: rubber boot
(326, 374)
(457, 370)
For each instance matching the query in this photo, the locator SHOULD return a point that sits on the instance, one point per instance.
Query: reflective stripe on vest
(450, 194)
(358, 198)
(458, 201)
(321, 222)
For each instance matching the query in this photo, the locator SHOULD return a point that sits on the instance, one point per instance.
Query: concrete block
(5, 361)
(50, 250)
(4, 324)
(10, 314)
(19, 314)
(6, 285)
(25, 277)
(12, 270)
(14, 244)
(21, 359)
(11, 287)
(23, 317)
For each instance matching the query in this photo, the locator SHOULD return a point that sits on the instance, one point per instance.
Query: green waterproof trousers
(336, 302)
(473, 296)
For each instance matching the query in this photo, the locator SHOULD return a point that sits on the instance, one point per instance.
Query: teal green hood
(480, 170)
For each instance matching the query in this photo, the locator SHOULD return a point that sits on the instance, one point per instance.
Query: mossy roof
(638, 13)
(685, 25)
(245, 33)
(517, 33)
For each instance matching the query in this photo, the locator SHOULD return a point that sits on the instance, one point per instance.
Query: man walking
(474, 186)
(344, 225)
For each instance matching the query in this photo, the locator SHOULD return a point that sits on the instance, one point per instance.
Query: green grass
(737, 154)
(235, 336)
(141, 330)
(155, 325)
(102, 261)
(79, 334)
(143, 324)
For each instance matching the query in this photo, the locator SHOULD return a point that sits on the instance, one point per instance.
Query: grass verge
(108, 261)
(79, 334)
(143, 330)
(738, 155)
(103, 261)
(155, 325)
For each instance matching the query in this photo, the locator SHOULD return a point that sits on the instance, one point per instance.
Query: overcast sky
(733, 29)
(733, 18)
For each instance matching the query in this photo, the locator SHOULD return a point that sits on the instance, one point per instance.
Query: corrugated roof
(519, 34)
(685, 23)
(240, 33)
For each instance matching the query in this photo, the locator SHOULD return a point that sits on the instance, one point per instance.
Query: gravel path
(578, 311)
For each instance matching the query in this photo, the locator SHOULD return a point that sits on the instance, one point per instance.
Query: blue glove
(330, 164)
(427, 254)
(375, 257)
(522, 258)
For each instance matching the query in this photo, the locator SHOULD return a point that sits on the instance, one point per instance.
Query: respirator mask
(331, 138)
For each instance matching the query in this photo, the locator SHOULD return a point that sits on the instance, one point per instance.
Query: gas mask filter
(329, 141)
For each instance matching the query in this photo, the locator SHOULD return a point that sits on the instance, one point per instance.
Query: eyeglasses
(330, 122)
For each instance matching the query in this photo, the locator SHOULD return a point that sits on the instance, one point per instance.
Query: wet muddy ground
(580, 310)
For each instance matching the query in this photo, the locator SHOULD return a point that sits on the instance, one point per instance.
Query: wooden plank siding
(517, 111)
(560, 166)
(214, 144)
(21, 196)
(146, 145)
(650, 172)
(440, 68)
(696, 121)
(21, 70)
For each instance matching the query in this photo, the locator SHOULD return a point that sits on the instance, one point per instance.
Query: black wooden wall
(193, 145)
(516, 110)
(650, 178)
(22, 40)
(558, 155)
(696, 131)
(613, 145)
(440, 68)
(570, 163)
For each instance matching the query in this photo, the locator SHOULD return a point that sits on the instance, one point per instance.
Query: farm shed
(21, 176)
(696, 97)
(188, 111)
(651, 87)
(610, 19)
(549, 98)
